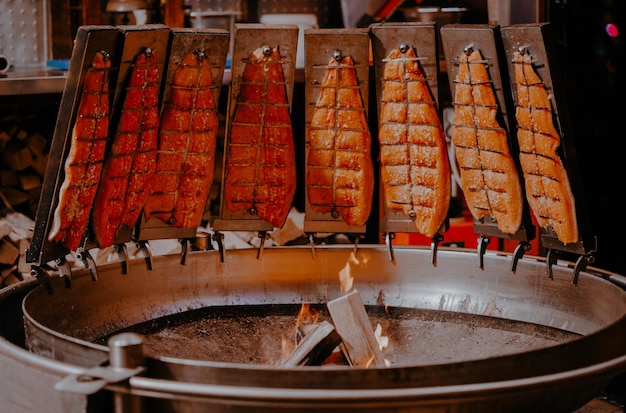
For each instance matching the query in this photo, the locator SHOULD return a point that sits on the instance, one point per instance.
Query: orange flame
(307, 315)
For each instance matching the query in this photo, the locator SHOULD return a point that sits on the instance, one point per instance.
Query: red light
(612, 30)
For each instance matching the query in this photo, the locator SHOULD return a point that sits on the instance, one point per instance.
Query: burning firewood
(319, 341)
(353, 325)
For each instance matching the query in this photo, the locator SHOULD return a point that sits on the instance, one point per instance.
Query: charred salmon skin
(340, 170)
(260, 162)
(415, 170)
(83, 165)
(187, 142)
(548, 189)
(489, 177)
(131, 162)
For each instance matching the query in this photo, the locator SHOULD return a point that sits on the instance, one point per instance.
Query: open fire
(351, 335)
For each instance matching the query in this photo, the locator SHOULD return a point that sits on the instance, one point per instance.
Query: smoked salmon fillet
(340, 170)
(83, 164)
(548, 189)
(131, 163)
(415, 170)
(261, 162)
(489, 176)
(187, 141)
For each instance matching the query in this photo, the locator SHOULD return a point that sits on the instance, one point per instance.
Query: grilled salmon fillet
(129, 167)
(83, 164)
(548, 189)
(415, 171)
(340, 171)
(489, 176)
(187, 141)
(260, 164)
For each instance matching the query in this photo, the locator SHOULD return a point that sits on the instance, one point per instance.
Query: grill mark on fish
(260, 163)
(547, 185)
(415, 170)
(129, 168)
(187, 144)
(489, 177)
(83, 165)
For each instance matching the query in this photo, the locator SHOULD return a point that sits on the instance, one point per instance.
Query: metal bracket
(521, 248)
(86, 258)
(388, 238)
(95, 379)
(482, 247)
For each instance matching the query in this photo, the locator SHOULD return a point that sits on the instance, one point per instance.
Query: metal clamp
(126, 359)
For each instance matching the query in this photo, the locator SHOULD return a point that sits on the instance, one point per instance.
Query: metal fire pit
(61, 330)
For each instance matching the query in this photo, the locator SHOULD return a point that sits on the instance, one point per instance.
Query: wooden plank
(317, 345)
(354, 326)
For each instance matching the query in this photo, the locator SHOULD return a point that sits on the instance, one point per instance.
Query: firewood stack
(23, 158)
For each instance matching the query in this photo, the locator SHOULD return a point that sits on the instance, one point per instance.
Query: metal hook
(89, 262)
(218, 237)
(42, 277)
(581, 264)
(185, 244)
(263, 235)
(65, 270)
(404, 48)
(145, 246)
(337, 55)
(266, 50)
(388, 238)
(356, 244)
(521, 248)
(551, 258)
(312, 244)
(482, 247)
(122, 253)
(434, 246)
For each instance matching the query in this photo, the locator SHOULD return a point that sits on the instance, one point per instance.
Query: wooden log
(318, 343)
(9, 254)
(354, 326)
(17, 159)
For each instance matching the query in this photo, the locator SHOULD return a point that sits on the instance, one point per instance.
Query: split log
(318, 343)
(354, 326)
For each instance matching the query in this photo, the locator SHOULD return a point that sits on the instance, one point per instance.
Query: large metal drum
(61, 330)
